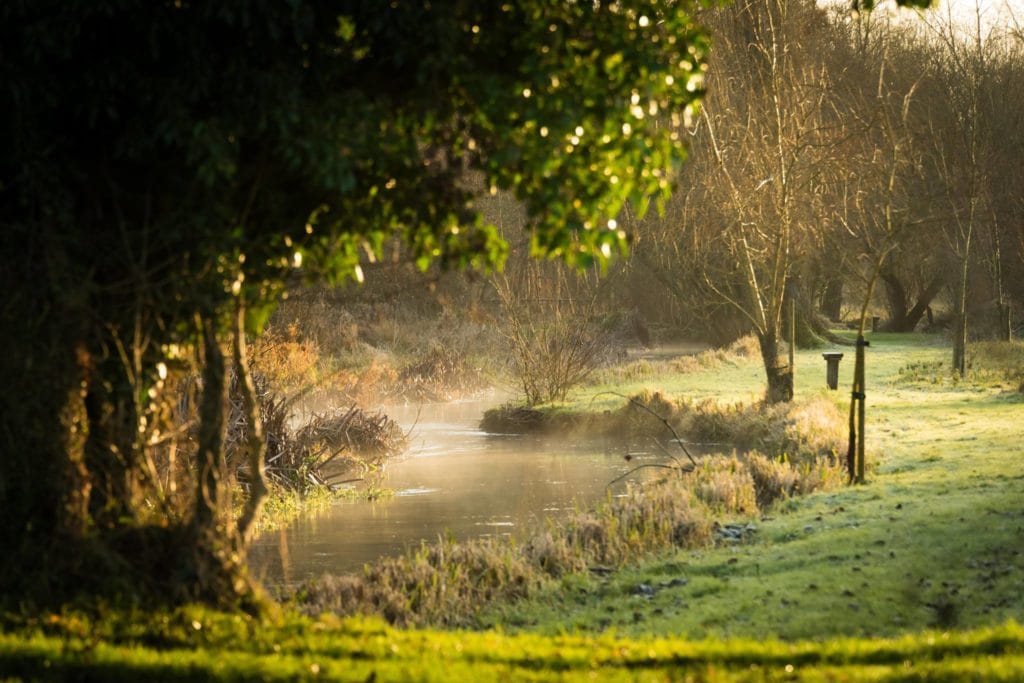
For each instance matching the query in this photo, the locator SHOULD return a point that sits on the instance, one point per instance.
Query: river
(455, 479)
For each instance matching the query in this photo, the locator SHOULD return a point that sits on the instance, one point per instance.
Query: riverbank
(928, 549)
(419, 587)
(446, 582)
(933, 541)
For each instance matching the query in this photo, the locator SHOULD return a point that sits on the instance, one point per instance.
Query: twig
(661, 447)
(640, 467)
(664, 421)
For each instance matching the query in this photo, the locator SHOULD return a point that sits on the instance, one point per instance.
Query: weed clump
(726, 485)
(773, 478)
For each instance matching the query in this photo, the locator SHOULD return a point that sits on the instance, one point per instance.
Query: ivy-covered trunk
(111, 456)
(44, 490)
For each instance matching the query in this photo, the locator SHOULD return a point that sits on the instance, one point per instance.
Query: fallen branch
(640, 467)
(664, 421)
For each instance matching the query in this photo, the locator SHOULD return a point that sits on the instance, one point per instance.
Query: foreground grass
(196, 645)
(933, 541)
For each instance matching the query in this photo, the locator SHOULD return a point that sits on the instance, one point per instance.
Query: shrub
(285, 360)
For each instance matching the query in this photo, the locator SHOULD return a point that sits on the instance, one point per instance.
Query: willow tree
(765, 158)
(169, 166)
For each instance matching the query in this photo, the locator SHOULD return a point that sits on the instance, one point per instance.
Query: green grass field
(915, 576)
(934, 539)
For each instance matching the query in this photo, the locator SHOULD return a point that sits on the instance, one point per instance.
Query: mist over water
(455, 479)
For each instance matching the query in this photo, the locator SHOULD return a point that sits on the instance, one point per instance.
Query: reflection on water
(455, 479)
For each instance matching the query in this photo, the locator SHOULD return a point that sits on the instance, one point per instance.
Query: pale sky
(1002, 15)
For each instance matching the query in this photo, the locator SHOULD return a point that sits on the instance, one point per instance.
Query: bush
(555, 337)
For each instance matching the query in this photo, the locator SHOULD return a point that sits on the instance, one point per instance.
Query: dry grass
(377, 354)
(726, 485)
(447, 582)
(439, 374)
(738, 352)
(809, 428)
(989, 364)
(773, 478)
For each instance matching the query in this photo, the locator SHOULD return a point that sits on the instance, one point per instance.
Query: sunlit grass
(198, 645)
(933, 541)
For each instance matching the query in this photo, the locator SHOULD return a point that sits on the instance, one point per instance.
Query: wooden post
(855, 451)
(861, 409)
(792, 340)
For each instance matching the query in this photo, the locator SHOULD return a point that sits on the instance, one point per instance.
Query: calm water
(455, 479)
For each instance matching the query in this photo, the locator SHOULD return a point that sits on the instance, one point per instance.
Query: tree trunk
(43, 485)
(1005, 323)
(109, 449)
(832, 299)
(896, 301)
(960, 333)
(902, 317)
(209, 509)
(253, 444)
(921, 306)
(778, 374)
(216, 565)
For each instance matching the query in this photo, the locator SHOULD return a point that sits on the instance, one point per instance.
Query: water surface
(455, 479)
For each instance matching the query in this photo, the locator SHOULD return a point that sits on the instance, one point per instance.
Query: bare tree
(957, 154)
(767, 137)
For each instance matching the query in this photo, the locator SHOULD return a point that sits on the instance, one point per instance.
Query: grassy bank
(933, 541)
(688, 504)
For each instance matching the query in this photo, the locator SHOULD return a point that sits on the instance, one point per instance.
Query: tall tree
(169, 166)
(763, 147)
(959, 160)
